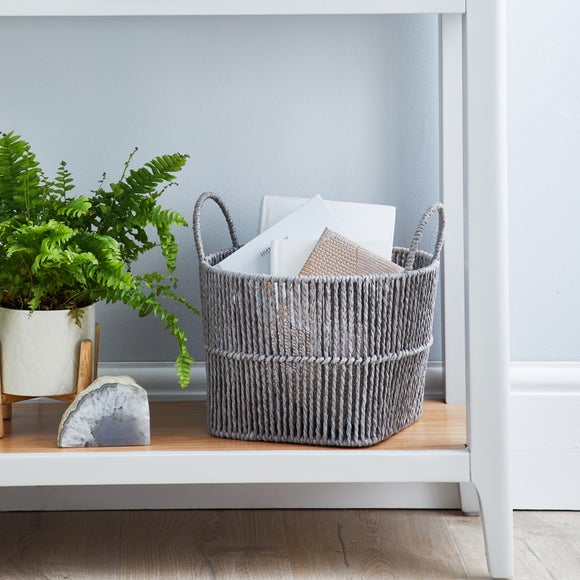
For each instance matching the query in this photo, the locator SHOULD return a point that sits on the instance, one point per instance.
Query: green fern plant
(61, 251)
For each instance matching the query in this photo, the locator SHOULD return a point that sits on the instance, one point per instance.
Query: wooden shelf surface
(181, 426)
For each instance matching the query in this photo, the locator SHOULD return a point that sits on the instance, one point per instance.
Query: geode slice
(111, 412)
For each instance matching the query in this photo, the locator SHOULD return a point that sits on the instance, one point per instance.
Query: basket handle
(197, 227)
(436, 207)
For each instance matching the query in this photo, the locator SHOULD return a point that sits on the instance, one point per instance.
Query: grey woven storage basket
(321, 360)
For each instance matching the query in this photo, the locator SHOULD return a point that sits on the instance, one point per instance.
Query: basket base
(310, 403)
(241, 436)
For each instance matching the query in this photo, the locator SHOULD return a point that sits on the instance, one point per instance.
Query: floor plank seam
(457, 550)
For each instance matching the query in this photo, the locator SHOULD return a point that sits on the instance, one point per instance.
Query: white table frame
(476, 336)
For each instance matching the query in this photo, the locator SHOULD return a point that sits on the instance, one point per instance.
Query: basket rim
(206, 263)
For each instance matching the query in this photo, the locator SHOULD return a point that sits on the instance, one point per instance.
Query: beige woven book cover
(336, 255)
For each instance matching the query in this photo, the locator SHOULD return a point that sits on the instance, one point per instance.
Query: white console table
(473, 186)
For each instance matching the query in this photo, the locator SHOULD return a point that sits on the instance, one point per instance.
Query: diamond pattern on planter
(40, 351)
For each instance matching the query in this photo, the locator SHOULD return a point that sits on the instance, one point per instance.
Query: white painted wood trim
(187, 467)
(224, 7)
(248, 496)
(487, 283)
(451, 176)
(488, 307)
(546, 435)
(159, 379)
(545, 378)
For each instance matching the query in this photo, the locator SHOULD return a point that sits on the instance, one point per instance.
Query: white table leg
(488, 436)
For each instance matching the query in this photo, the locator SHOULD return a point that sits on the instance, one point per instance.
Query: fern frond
(22, 181)
(159, 170)
(76, 207)
(63, 182)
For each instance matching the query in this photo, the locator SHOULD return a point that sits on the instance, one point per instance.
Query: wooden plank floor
(277, 544)
(182, 426)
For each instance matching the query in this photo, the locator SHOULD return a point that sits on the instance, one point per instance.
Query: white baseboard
(545, 443)
(160, 381)
(546, 435)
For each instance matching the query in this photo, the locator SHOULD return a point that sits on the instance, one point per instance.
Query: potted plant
(61, 253)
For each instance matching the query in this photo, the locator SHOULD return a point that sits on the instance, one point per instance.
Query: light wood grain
(85, 372)
(63, 545)
(95, 369)
(371, 544)
(205, 544)
(277, 544)
(182, 426)
(547, 544)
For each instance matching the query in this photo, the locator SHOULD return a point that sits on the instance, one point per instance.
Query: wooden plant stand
(87, 373)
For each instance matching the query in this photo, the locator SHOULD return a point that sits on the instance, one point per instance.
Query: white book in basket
(307, 222)
(371, 225)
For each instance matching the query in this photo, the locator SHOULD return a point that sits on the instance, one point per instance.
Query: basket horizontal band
(323, 360)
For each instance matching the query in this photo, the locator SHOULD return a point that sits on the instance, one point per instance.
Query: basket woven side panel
(351, 405)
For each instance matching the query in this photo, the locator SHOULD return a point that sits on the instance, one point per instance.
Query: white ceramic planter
(40, 352)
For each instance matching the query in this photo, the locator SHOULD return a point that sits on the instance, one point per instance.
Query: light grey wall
(341, 106)
(544, 178)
